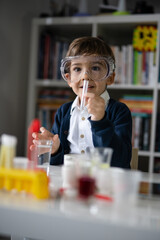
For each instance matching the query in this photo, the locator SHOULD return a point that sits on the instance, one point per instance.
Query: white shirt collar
(104, 95)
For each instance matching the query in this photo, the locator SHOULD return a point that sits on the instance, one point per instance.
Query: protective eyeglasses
(97, 68)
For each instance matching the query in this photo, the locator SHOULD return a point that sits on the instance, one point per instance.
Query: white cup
(125, 185)
(70, 169)
(104, 181)
(69, 176)
(20, 162)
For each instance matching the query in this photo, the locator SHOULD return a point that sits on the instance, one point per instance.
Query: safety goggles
(97, 68)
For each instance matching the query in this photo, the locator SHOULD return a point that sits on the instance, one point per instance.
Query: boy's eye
(95, 68)
(76, 69)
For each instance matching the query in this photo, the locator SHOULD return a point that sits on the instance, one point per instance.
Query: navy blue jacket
(114, 130)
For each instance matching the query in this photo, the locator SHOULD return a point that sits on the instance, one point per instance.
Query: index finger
(89, 95)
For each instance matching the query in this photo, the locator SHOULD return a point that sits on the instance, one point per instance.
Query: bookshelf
(117, 31)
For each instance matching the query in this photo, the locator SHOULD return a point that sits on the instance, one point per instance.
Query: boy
(104, 122)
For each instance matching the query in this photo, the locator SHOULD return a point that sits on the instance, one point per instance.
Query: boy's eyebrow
(80, 63)
(76, 65)
(100, 63)
(72, 64)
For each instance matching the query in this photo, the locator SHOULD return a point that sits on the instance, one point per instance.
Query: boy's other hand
(46, 135)
(95, 106)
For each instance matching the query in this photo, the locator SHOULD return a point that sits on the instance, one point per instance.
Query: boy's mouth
(89, 86)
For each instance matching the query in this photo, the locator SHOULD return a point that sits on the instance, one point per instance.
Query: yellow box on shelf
(34, 182)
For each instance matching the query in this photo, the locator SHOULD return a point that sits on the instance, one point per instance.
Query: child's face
(93, 87)
(93, 71)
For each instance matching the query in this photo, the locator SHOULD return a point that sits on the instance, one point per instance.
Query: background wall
(15, 27)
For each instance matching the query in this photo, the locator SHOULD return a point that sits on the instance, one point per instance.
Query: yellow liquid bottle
(8, 150)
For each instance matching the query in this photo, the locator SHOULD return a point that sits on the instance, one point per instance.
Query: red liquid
(86, 186)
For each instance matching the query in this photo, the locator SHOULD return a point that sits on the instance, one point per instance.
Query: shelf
(144, 153)
(116, 31)
(51, 83)
(134, 87)
(62, 83)
(157, 154)
(123, 19)
(148, 154)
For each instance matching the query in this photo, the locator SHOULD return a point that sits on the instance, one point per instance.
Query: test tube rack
(34, 182)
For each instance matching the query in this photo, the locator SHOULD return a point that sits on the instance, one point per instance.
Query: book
(137, 131)
(157, 142)
(59, 58)
(124, 64)
(138, 97)
(117, 54)
(152, 68)
(157, 165)
(141, 131)
(40, 56)
(55, 61)
(135, 67)
(51, 57)
(146, 132)
(129, 64)
(47, 45)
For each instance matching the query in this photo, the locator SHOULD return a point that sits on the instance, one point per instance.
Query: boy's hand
(95, 106)
(46, 135)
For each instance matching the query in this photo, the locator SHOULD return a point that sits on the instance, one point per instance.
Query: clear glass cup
(42, 154)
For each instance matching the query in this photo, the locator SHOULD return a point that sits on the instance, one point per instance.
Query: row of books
(141, 131)
(50, 52)
(157, 165)
(46, 117)
(53, 97)
(144, 68)
(49, 100)
(142, 104)
(134, 67)
(157, 143)
(141, 107)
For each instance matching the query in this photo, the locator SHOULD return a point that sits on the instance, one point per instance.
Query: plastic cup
(125, 185)
(76, 174)
(100, 156)
(20, 162)
(43, 154)
(69, 176)
(103, 181)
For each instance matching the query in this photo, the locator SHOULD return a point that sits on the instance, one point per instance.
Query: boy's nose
(85, 76)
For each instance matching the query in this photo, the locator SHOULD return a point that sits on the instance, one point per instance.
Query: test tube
(85, 88)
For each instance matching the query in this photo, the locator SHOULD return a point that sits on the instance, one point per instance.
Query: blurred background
(15, 31)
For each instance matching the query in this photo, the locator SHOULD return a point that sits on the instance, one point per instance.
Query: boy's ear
(68, 78)
(110, 80)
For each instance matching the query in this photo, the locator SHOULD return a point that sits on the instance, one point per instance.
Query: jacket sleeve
(115, 131)
(57, 158)
(60, 127)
